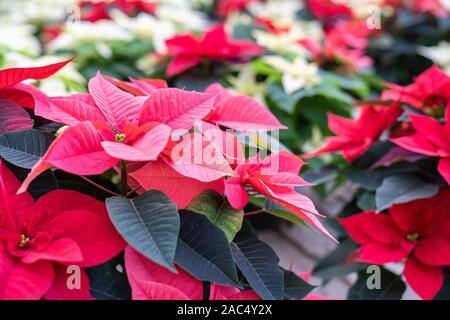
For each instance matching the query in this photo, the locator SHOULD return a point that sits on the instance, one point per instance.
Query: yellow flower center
(413, 237)
(120, 137)
(23, 241)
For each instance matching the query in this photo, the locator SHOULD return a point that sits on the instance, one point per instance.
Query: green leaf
(366, 201)
(195, 83)
(108, 281)
(24, 148)
(219, 212)
(323, 175)
(149, 223)
(259, 265)
(203, 250)
(332, 92)
(403, 188)
(284, 101)
(295, 287)
(335, 263)
(276, 210)
(316, 108)
(245, 31)
(271, 207)
(444, 293)
(352, 84)
(391, 286)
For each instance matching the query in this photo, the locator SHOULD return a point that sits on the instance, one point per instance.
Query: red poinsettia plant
(398, 153)
(161, 171)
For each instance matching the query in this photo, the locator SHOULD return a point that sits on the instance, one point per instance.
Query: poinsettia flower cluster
(329, 9)
(97, 10)
(129, 126)
(354, 137)
(149, 281)
(12, 88)
(344, 44)
(425, 134)
(414, 232)
(332, 10)
(40, 240)
(188, 50)
(435, 7)
(417, 232)
(226, 7)
(429, 91)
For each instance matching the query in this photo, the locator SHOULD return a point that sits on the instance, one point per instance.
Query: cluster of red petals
(329, 9)
(133, 121)
(24, 95)
(344, 44)
(431, 138)
(15, 95)
(225, 7)
(431, 89)
(434, 7)
(149, 281)
(275, 177)
(39, 240)
(418, 232)
(271, 26)
(106, 125)
(354, 137)
(235, 112)
(188, 50)
(98, 10)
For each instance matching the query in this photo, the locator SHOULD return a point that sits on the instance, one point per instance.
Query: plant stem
(133, 191)
(253, 213)
(123, 178)
(99, 186)
(205, 67)
(206, 290)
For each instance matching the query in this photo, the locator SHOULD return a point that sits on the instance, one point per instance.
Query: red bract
(430, 90)
(431, 139)
(240, 112)
(430, 6)
(13, 117)
(329, 9)
(149, 281)
(188, 51)
(159, 175)
(225, 7)
(96, 10)
(39, 239)
(275, 177)
(271, 26)
(109, 125)
(354, 137)
(21, 94)
(417, 231)
(197, 163)
(346, 42)
(199, 168)
(143, 87)
(344, 45)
